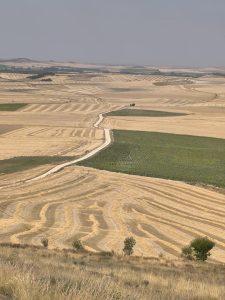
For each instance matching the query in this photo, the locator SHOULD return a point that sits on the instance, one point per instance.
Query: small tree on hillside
(44, 242)
(129, 243)
(202, 248)
(78, 246)
(199, 249)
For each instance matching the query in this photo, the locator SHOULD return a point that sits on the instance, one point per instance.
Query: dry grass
(34, 273)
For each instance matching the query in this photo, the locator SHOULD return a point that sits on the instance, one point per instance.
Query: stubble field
(99, 207)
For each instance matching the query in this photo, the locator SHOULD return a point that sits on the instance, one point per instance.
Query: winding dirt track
(86, 156)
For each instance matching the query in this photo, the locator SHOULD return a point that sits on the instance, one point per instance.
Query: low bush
(78, 246)
(129, 244)
(44, 242)
(188, 253)
(199, 249)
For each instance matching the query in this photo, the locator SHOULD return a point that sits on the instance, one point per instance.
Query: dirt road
(86, 156)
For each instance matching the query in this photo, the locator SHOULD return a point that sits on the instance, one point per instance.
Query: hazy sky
(152, 32)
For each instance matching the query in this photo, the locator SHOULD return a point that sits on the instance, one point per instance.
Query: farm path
(86, 156)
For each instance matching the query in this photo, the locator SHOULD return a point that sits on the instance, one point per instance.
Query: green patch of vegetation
(147, 71)
(140, 71)
(11, 106)
(78, 246)
(173, 82)
(143, 113)
(125, 90)
(46, 79)
(178, 157)
(198, 249)
(22, 163)
(2, 67)
(53, 69)
(129, 244)
(40, 75)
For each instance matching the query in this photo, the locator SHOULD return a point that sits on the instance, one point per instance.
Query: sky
(129, 32)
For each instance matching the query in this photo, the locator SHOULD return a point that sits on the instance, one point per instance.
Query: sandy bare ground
(100, 207)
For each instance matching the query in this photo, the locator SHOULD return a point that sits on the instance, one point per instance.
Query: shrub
(46, 79)
(78, 246)
(107, 253)
(202, 247)
(44, 242)
(129, 243)
(132, 104)
(199, 249)
(188, 253)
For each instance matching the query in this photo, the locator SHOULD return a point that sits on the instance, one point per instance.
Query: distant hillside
(17, 60)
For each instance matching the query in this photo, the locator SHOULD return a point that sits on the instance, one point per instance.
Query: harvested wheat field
(62, 118)
(102, 208)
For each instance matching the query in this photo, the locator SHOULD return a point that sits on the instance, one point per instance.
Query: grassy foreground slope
(11, 106)
(35, 273)
(143, 113)
(179, 157)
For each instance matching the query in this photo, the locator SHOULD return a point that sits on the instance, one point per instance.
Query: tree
(44, 242)
(202, 248)
(78, 246)
(129, 243)
(198, 249)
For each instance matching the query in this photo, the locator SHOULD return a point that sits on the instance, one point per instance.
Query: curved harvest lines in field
(50, 141)
(88, 105)
(102, 208)
(99, 207)
(76, 136)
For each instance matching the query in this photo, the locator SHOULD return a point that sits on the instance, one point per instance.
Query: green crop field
(11, 106)
(179, 157)
(143, 113)
(22, 163)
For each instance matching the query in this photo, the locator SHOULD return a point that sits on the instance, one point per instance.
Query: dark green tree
(129, 243)
(202, 247)
(198, 249)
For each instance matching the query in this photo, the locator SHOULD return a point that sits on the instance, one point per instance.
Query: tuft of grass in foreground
(35, 273)
(143, 113)
(23, 163)
(178, 157)
(11, 106)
